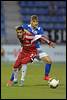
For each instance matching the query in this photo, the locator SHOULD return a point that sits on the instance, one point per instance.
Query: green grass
(34, 86)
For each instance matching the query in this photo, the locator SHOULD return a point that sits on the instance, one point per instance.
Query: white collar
(31, 26)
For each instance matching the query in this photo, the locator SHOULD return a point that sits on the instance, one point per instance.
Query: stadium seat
(53, 26)
(36, 4)
(2, 22)
(32, 11)
(42, 9)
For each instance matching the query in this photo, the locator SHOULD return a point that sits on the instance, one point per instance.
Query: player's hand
(52, 44)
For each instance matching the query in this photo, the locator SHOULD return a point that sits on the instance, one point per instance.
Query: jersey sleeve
(25, 26)
(42, 32)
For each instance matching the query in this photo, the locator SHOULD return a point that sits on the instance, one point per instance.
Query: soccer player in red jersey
(27, 53)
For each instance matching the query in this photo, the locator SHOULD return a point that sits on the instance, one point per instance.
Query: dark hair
(34, 17)
(20, 28)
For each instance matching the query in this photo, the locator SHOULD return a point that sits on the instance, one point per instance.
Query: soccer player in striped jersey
(26, 55)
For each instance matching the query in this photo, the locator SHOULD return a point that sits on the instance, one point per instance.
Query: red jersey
(26, 42)
(28, 52)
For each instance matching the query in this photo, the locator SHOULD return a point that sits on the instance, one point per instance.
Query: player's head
(34, 21)
(20, 31)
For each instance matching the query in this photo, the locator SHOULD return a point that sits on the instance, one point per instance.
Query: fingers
(52, 45)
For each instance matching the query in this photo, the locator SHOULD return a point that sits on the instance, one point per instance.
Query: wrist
(49, 42)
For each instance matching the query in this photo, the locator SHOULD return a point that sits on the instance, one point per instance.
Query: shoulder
(40, 28)
(24, 25)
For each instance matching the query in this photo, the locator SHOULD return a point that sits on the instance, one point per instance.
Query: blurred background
(52, 17)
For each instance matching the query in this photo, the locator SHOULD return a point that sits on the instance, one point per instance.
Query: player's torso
(26, 42)
(36, 31)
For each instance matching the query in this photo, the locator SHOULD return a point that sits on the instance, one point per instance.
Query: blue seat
(41, 8)
(47, 26)
(61, 4)
(2, 23)
(34, 11)
(53, 26)
(2, 29)
(21, 4)
(42, 3)
(34, 3)
(61, 12)
(52, 19)
(46, 19)
(59, 26)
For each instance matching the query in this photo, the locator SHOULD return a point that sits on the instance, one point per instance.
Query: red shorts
(24, 57)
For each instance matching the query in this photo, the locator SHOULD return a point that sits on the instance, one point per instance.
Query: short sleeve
(25, 26)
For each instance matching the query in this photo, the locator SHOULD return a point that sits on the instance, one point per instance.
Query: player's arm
(45, 39)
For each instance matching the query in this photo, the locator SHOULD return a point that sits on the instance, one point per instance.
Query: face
(19, 33)
(34, 23)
